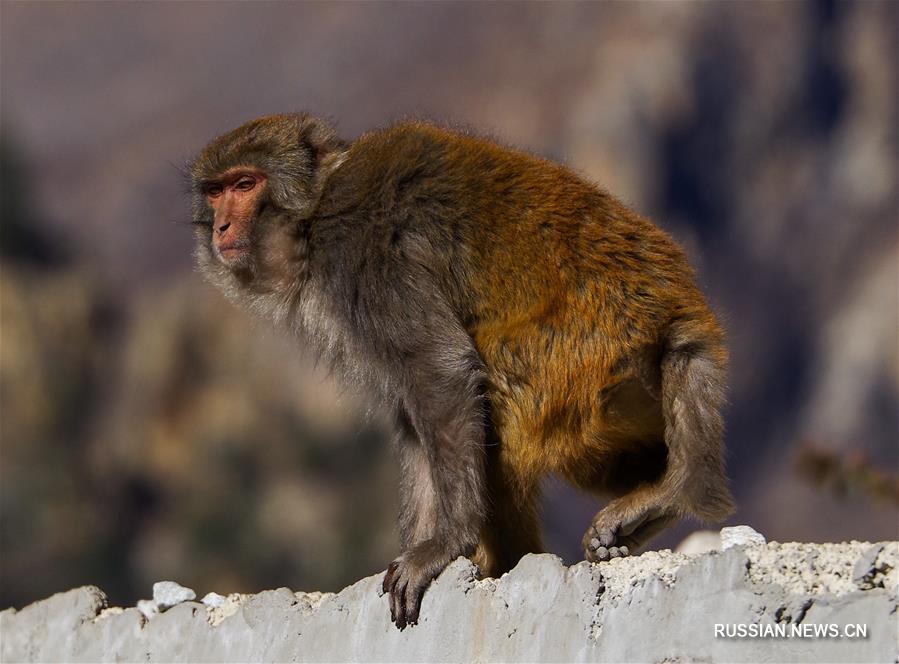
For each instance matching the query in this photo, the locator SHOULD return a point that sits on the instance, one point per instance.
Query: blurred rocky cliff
(149, 430)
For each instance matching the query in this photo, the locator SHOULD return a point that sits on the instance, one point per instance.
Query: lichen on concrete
(659, 606)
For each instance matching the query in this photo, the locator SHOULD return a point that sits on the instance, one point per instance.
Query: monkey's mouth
(231, 254)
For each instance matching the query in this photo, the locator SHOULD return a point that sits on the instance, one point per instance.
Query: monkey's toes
(599, 539)
(596, 552)
(604, 539)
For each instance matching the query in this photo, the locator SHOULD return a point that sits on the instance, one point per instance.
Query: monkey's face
(245, 241)
(252, 189)
(235, 200)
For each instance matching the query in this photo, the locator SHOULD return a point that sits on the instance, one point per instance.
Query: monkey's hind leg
(694, 481)
(512, 527)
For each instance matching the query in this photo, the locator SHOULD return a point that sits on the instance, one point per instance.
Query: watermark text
(790, 631)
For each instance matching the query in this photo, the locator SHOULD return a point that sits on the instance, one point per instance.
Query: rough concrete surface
(658, 607)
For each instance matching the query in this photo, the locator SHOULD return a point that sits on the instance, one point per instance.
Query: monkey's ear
(327, 149)
(329, 163)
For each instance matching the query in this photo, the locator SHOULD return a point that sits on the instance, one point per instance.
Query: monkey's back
(571, 298)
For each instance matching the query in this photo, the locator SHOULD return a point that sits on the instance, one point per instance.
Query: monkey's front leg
(442, 497)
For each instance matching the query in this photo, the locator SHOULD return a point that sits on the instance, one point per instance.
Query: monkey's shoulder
(411, 136)
(417, 143)
(427, 164)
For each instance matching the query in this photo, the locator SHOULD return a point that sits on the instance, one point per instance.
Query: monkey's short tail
(693, 394)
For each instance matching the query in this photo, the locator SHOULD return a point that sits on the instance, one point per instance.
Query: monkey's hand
(409, 575)
(621, 527)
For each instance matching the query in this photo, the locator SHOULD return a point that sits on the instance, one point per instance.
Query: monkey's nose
(221, 229)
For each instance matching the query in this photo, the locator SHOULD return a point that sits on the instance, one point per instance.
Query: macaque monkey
(514, 319)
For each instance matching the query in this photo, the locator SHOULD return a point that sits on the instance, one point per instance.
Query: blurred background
(149, 430)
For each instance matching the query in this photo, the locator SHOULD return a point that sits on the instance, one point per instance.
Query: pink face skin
(234, 200)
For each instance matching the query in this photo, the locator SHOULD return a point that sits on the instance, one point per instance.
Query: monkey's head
(252, 188)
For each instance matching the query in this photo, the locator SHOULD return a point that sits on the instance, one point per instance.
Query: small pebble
(167, 594)
(700, 541)
(214, 600)
(865, 570)
(741, 536)
(147, 607)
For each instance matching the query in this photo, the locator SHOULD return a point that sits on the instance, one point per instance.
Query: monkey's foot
(407, 578)
(620, 529)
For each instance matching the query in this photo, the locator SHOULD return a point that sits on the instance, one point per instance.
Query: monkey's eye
(245, 184)
(214, 190)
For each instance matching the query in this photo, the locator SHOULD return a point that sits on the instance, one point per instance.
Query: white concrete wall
(660, 606)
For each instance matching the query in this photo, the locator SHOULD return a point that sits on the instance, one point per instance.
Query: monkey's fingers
(406, 584)
(414, 593)
(397, 605)
(388, 577)
(394, 586)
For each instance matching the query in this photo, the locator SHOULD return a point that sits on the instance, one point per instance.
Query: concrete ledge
(660, 606)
